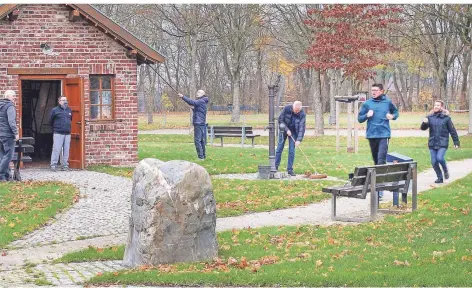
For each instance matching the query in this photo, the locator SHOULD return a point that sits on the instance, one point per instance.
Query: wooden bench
(23, 146)
(231, 131)
(369, 179)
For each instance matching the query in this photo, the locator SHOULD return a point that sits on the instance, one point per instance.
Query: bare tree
(236, 27)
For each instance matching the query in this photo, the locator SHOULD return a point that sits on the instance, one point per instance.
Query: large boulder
(173, 214)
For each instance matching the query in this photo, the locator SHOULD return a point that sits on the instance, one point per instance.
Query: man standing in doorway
(378, 111)
(199, 121)
(8, 133)
(292, 124)
(61, 119)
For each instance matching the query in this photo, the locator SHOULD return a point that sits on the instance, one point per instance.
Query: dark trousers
(291, 150)
(379, 149)
(437, 158)
(7, 148)
(199, 137)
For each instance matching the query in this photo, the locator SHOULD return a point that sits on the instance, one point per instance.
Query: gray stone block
(173, 214)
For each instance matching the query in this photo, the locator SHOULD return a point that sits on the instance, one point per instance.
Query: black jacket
(61, 120)
(8, 127)
(440, 126)
(200, 110)
(294, 122)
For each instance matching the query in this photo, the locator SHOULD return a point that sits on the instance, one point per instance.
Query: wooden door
(73, 90)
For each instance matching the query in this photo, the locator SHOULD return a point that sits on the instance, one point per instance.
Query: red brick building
(51, 49)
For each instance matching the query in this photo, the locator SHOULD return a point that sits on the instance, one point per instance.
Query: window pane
(106, 82)
(106, 112)
(94, 97)
(106, 98)
(94, 112)
(94, 82)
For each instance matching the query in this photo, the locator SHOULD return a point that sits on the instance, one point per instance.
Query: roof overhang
(143, 52)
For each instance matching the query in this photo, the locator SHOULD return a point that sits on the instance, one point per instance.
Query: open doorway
(38, 98)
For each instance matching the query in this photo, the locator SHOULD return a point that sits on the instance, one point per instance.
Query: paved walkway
(102, 214)
(308, 132)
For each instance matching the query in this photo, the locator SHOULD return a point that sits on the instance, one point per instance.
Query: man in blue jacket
(378, 111)
(292, 121)
(198, 120)
(60, 120)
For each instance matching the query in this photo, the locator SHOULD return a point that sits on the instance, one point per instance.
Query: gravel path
(103, 208)
(102, 214)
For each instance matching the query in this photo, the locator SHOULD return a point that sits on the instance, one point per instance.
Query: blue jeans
(199, 137)
(291, 150)
(437, 158)
(7, 148)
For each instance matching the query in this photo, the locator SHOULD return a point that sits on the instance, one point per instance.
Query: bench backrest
(384, 173)
(236, 130)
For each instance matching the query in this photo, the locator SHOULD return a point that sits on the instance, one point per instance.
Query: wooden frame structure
(350, 100)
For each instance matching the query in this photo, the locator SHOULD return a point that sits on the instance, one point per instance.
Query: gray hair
(200, 93)
(9, 93)
(297, 104)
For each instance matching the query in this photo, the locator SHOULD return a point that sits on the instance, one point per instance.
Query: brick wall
(80, 45)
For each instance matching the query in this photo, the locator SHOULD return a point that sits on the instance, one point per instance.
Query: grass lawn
(320, 150)
(407, 120)
(431, 247)
(237, 197)
(26, 206)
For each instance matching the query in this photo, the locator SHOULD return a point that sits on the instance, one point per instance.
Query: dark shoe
(53, 168)
(276, 168)
(438, 181)
(446, 174)
(65, 168)
(291, 173)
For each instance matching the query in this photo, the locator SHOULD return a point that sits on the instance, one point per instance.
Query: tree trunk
(150, 96)
(236, 95)
(470, 97)
(333, 88)
(325, 92)
(319, 125)
(259, 79)
(411, 92)
(397, 88)
(465, 70)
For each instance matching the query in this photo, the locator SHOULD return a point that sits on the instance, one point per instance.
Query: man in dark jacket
(292, 124)
(378, 111)
(8, 133)
(198, 120)
(440, 126)
(60, 120)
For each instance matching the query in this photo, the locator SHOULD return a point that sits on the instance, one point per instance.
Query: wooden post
(337, 125)
(356, 127)
(349, 127)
